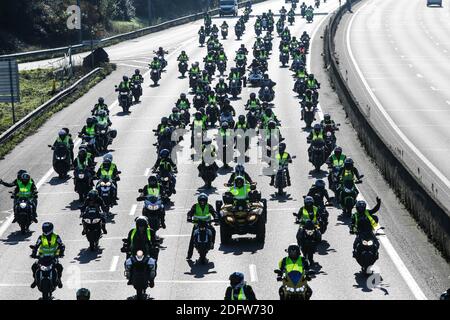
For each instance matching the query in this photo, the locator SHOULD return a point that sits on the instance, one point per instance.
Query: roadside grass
(118, 27)
(37, 91)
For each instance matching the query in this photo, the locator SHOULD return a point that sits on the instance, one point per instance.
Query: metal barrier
(35, 113)
(423, 193)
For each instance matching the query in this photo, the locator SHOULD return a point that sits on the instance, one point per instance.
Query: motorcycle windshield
(295, 276)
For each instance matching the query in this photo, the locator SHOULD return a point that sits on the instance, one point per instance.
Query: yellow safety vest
(306, 216)
(241, 294)
(48, 249)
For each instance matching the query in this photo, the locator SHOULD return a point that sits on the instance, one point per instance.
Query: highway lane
(133, 153)
(401, 51)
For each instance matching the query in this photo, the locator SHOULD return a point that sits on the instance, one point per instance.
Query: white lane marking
(447, 102)
(404, 272)
(253, 274)
(419, 75)
(133, 209)
(433, 88)
(114, 263)
(147, 172)
(128, 65)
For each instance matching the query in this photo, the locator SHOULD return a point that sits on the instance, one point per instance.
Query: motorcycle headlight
(46, 268)
(309, 232)
(166, 179)
(103, 131)
(23, 205)
(108, 184)
(251, 217)
(291, 289)
(81, 176)
(301, 289)
(367, 243)
(102, 184)
(230, 219)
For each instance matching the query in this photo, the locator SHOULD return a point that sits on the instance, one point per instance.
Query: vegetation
(26, 24)
(36, 88)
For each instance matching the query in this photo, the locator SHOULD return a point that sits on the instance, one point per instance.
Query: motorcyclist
(309, 212)
(194, 70)
(255, 64)
(183, 102)
(101, 105)
(90, 129)
(214, 29)
(83, 294)
(239, 289)
(305, 37)
(205, 79)
(202, 31)
(175, 117)
(312, 83)
(156, 65)
(294, 44)
(328, 124)
(24, 188)
(301, 73)
(315, 135)
(183, 57)
(240, 190)
(336, 159)
(84, 160)
(140, 262)
(49, 244)
(202, 210)
(210, 57)
(282, 158)
(103, 119)
(65, 138)
(349, 171)
(109, 170)
(266, 82)
(142, 237)
(162, 126)
(221, 86)
(211, 98)
(369, 214)
(235, 75)
(318, 188)
(93, 200)
(242, 124)
(221, 56)
(253, 103)
(242, 49)
(124, 85)
(239, 171)
(268, 116)
(307, 102)
(227, 107)
(137, 77)
(293, 262)
(283, 10)
(164, 162)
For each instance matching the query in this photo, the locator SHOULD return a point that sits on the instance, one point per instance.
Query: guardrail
(419, 198)
(51, 53)
(35, 113)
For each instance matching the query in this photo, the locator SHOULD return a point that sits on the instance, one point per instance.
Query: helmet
(309, 201)
(141, 222)
(268, 112)
(202, 198)
(348, 163)
(160, 49)
(320, 184)
(90, 121)
(252, 95)
(25, 178)
(241, 118)
(204, 72)
(239, 181)
(317, 127)
(175, 110)
(101, 100)
(137, 71)
(92, 194)
(164, 120)
(360, 206)
(338, 150)
(152, 181)
(224, 125)
(83, 294)
(183, 96)
(293, 251)
(221, 80)
(196, 63)
(183, 52)
(198, 115)
(125, 78)
(62, 133)
(164, 153)
(272, 124)
(107, 158)
(236, 279)
(211, 92)
(326, 117)
(47, 228)
(155, 58)
(282, 147)
(311, 76)
(82, 153)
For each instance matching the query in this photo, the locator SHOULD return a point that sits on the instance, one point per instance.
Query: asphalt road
(337, 278)
(395, 56)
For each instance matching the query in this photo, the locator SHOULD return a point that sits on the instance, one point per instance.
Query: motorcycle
(366, 252)
(104, 137)
(295, 285)
(309, 114)
(155, 75)
(347, 196)
(309, 17)
(284, 58)
(136, 90)
(61, 159)
(291, 19)
(252, 118)
(182, 68)
(318, 154)
(125, 100)
(92, 226)
(153, 209)
(46, 276)
(238, 32)
(140, 278)
(241, 64)
(227, 117)
(317, 3)
(165, 181)
(265, 95)
(201, 39)
(329, 144)
(300, 87)
(208, 172)
(255, 77)
(224, 32)
(258, 30)
(235, 88)
(211, 68)
(212, 111)
(193, 81)
(199, 101)
(83, 182)
(308, 239)
(202, 239)
(221, 66)
(23, 210)
(280, 181)
(105, 191)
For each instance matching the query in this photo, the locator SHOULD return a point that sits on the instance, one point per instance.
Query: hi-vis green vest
(338, 162)
(153, 191)
(347, 175)
(294, 265)
(317, 136)
(133, 234)
(102, 120)
(373, 223)
(201, 214)
(283, 158)
(311, 83)
(108, 173)
(48, 249)
(240, 193)
(25, 190)
(305, 214)
(90, 131)
(65, 141)
(241, 294)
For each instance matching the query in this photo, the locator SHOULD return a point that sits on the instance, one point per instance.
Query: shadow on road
(318, 175)
(15, 237)
(199, 270)
(241, 245)
(280, 198)
(324, 247)
(367, 283)
(86, 255)
(56, 180)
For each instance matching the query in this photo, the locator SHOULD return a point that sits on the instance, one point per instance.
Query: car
(228, 7)
(434, 2)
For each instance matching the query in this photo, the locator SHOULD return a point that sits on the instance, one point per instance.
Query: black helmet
(175, 110)
(282, 147)
(360, 206)
(141, 222)
(309, 201)
(317, 127)
(236, 278)
(272, 124)
(202, 198)
(155, 58)
(90, 121)
(183, 96)
(268, 112)
(82, 153)
(47, 228)
(326, 117)
(25, 178)
(160, 48)
(101, 100)
(164, 120)
(338, 150)
(125, 78)
(107, 158)
(62, 133)
(241, 118)
(83, 294)
(164, 153)
(311, 76)
(252, 95)
(293, 251)
(198, 115)
(92, 194)
(320, 184)
(221, 80)
(137, 71)
(152, 181)
(348, 163)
